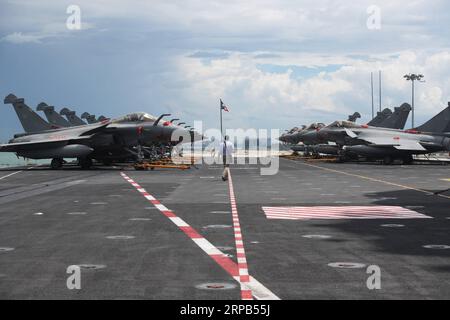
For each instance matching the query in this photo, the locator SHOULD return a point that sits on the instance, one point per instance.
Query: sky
(275, 64)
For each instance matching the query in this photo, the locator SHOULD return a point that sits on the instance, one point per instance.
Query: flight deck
(309, 232)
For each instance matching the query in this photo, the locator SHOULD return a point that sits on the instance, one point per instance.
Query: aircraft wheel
(341, 159)
(388, 160)
(85, 163)
(56, 163)
(408, 160)
(107, 162)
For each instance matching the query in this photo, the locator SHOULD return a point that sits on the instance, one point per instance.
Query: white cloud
(19, 37)
(271, 96)
(206, 50)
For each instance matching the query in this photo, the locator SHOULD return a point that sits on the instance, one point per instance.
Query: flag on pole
(223, 106)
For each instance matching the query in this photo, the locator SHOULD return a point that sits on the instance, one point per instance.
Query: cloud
(274, 96)
(277, 63)
(19, 38)
(209, 55)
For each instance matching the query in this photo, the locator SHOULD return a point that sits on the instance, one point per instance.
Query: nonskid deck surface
(50, 220)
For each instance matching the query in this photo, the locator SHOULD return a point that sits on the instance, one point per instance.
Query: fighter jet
(104, 141)
(391, 144)
(395, 120)
(315, 144)
(380, 117)
(52, 116)
(72, 117)
(289, 135)
(30, 120)
(90, 118)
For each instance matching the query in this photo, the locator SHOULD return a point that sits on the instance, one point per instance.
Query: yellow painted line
(373, 179)
(445, 180)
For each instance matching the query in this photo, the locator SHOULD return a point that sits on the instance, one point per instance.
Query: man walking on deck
(226, 150)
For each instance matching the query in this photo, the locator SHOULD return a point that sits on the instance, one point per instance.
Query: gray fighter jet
(315, 144)
(52, 116)
(391, 144)
(30, 120)
(380, 117)
(71, 116)
(90, 118)
(395, 120)
(289, 135)
(104, 141)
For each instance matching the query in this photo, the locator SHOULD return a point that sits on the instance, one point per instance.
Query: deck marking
(259, 291)
(374, 179)
(246, 294)
(9, 175)
(342, 212)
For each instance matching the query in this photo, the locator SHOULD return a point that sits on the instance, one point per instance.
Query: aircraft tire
(85, 163)
(388, 160)
(408, 160)
(56, 163)
(107, 162)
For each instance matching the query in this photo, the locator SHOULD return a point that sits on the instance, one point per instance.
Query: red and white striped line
(246, 293)
(259, 291)
(342, 212)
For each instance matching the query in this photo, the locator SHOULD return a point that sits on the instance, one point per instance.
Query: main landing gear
(56, 163)
(85, 163)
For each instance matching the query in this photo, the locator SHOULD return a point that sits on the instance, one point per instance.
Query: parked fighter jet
(104, 141)
(30, 120)
(395, 120)
(289, 135)
(52, 116)
(390, 144)
(380, 117)
(72, 117)
(90, 118)
(315, 144)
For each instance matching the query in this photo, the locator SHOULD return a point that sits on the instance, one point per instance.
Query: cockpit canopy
(315, 126)
(136, 117)
(344, 124)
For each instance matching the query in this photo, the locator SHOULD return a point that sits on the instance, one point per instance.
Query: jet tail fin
(90, 118)
(30, 120)
(380, 117)
(354, 116)
(52, 116)
(397, 120)
(72, 117)
(439, 123)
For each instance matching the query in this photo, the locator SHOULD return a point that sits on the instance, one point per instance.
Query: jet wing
(410, 145)
(400, 144)
(56, 137)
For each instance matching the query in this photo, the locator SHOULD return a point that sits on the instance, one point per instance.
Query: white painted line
(161, 207)
(9, 175)
(206, 246)
(247, 285)
(179, 222)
